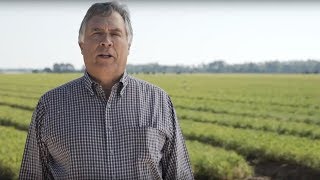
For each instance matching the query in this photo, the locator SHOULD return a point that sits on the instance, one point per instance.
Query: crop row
(258, 108)
(239, 111)
(36, 81)
(210, 162)
(11, 149)
(280, 127)
(20, 103)
(19, 95)
(35, 84)
(258, 144)
(303, 109)
(241, 100)
(261, 88)
(26, 91)
(15, 117)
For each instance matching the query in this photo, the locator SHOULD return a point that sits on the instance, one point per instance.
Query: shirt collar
(124, 82)
(90, 83)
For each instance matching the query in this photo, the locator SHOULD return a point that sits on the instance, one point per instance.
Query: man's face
(105, 47)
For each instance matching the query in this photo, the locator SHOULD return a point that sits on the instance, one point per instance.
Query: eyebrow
(115, 30)
(111, 29)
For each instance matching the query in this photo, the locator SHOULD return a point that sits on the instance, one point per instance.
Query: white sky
(37, 35)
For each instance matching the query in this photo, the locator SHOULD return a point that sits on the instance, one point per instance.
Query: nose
(106, 41)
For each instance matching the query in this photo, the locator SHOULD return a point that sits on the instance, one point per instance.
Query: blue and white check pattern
(78, 133)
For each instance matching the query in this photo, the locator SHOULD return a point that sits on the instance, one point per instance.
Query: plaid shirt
(77, 132)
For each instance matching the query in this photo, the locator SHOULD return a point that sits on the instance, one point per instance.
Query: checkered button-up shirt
(77, 132)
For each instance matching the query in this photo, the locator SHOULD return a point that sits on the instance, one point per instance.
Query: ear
(81, 47)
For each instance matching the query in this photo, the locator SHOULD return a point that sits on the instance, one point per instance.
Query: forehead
(114, 20)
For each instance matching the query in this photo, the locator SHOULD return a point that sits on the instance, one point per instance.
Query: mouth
(105, 56)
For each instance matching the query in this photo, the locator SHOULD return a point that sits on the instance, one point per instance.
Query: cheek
(89, 45)
(125, 50)
(125, 54)
(88, 50)
(84, 52)
(87, 55)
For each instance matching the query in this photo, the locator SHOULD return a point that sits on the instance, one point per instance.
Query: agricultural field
(236, 126)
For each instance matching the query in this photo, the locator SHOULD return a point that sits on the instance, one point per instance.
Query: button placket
(110, 128)
(109, 108)
(108, 120)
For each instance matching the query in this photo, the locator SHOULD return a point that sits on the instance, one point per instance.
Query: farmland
(234, 124)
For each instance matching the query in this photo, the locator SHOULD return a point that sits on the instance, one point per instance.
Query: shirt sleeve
(32, 166)
(175, 162)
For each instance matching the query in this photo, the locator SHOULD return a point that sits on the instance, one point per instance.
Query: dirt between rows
(280, 171)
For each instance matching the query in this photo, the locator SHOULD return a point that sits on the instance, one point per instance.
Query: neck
(106, 82)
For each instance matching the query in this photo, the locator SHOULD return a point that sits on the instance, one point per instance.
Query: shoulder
(146, 87)
(66, 89)
(55, 95)
(149, 94)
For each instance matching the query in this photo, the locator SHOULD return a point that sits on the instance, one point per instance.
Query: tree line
(306, 67)
(59, 68)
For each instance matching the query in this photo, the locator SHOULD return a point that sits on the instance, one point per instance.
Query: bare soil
(280, 171)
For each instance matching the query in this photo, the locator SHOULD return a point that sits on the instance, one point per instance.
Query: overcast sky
(36, 35)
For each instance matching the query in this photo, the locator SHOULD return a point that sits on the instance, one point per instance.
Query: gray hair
(106, 9)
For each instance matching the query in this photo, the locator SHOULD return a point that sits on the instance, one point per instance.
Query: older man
(106, 124)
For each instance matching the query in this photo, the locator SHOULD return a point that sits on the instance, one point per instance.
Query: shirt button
(111, 152)
(109, 106)
(109, 128)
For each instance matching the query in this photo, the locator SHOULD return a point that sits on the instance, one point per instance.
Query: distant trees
(156, 68)
(63, 67)
(309, 66)
(219, 66)
(48, 70)
(58, 68)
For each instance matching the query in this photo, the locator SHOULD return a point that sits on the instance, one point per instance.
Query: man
(106, 124)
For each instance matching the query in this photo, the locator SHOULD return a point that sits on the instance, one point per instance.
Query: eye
(97, 32)
(116, 34)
